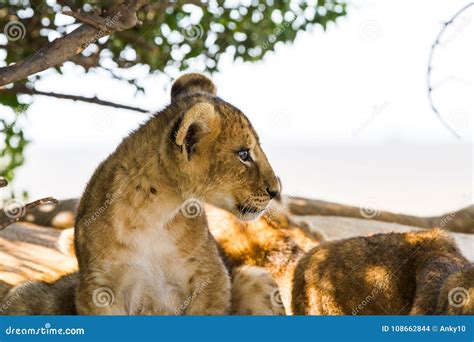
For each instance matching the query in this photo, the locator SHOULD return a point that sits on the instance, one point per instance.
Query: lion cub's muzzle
(252, 207)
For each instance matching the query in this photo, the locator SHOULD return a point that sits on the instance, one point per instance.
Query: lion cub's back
(368, 275)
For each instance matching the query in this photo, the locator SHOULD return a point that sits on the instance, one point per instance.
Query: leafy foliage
(173, 34)
(13, 143)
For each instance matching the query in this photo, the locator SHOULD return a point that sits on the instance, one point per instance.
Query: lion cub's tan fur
(35, 297)
(273, 243)
(262, 255)
(150, 247)
(141, 234)
(393, 274)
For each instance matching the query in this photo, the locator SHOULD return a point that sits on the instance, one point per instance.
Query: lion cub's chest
(156, 279)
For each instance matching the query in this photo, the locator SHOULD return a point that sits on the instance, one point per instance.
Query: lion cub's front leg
(97, 300)
(211, 294)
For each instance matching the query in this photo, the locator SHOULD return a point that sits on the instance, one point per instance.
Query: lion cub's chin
(243, 213)
(249, 213)
(249, 216)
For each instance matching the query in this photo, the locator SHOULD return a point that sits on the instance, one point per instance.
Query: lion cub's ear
(199, 126)
(190, 84)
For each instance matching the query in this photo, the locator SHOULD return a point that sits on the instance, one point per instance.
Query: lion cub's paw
(65, 242)
(255, 292)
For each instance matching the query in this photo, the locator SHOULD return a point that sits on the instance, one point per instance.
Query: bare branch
(42, 201)
(63, 49)
(95, 99)
(92, 19)
(87, 62)
(429, 82)
(5, 221)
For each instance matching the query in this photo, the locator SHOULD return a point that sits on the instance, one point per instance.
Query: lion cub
(141, 235)
(418, 273)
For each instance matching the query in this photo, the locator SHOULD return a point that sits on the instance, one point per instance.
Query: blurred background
(343, 113)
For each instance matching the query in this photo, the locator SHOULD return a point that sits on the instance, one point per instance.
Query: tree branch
(25, 90)
(5, 220)
(121, 17)
(429, 82)
(92, 19)
(87, 62)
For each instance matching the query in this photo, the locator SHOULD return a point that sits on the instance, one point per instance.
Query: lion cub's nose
(273, 192)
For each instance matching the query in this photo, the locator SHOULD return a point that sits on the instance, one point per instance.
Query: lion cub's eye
(244, 156)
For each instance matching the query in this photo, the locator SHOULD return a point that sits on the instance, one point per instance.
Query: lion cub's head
(217, 151)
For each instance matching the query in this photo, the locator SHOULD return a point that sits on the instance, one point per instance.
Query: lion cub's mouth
(249, 213)
(246, 209)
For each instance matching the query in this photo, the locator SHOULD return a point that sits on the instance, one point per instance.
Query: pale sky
(363, 82)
